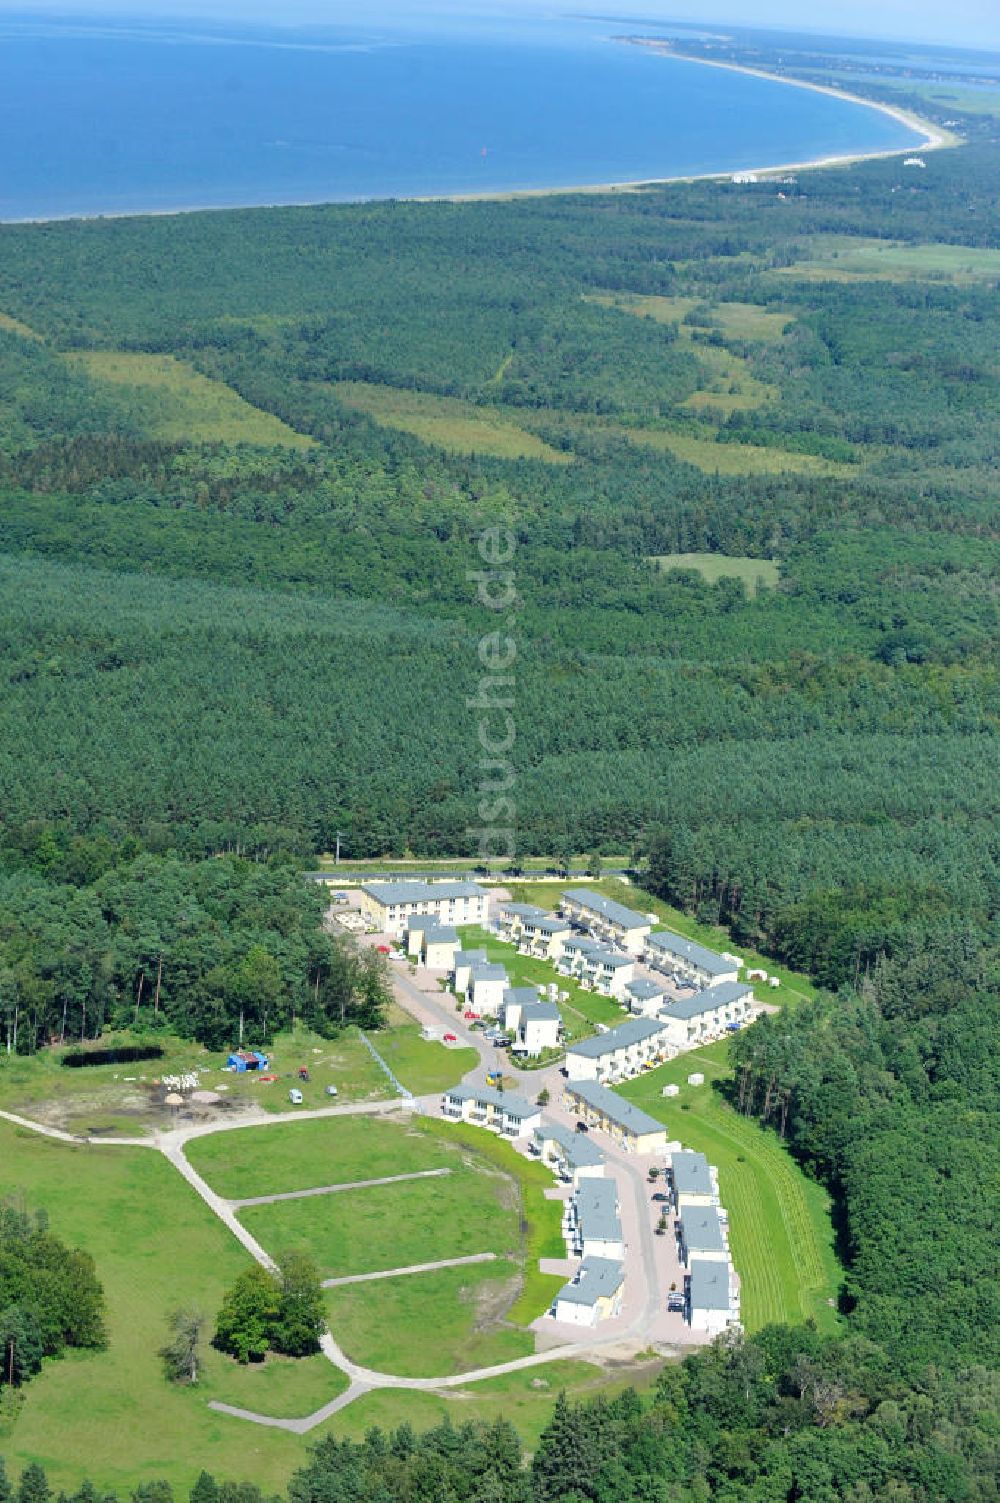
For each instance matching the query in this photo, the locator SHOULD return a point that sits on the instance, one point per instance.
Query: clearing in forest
(754, 572)
(748, 321)
(15, 326)
(844, 258)
(187, 404)
(460, 427)
(728, 385)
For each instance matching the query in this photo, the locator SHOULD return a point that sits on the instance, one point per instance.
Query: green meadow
(756, 573)
(180, 403)
(430, 1324)
(460, 427)
(831, 258)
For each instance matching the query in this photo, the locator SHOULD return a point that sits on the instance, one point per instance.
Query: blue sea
(112, 117)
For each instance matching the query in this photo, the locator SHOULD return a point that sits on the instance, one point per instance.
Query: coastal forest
(744, 441)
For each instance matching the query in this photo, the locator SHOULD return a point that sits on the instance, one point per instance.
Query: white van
(295, 1097)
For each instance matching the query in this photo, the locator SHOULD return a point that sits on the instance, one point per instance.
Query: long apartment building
(504, 1112)
(684, 957)
(532, 929)
(607, 919)
(602, 1110)
(594, 965)
(619, 1053)
(391, 905)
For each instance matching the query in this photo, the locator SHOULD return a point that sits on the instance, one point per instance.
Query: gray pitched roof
(469, 957)
(614, 1107)
(487, 970)
(581, 1152)
(702, 1229)
(596, 1278)
(421, 892)
(597, 1210)
(709, 1287)
(644, 989)
(523, 910)
(725, 992)
(512, 1104)
(607, 908)
(633, 1031)
(521, 996)
(690, 1172)
(686, 949)
(441, 934)
(541, 1012)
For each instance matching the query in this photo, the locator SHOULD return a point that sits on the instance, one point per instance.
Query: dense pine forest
(245, 459)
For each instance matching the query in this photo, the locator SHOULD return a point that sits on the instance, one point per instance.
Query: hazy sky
(970, 23)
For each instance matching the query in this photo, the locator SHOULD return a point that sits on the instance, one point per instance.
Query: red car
(450, 1038)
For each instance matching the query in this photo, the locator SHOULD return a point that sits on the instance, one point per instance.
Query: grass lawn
(780, 1229)
(524, 1398)
(472, 1210)
(283, 1386)
(754, 572)
(110, 1415)
(430, 1324)
(179, 402)
(583, 1010)
(460, 427)
(846, 258)
(301, 1155)
(422, 1066)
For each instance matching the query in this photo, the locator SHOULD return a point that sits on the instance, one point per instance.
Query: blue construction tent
(246, 1059)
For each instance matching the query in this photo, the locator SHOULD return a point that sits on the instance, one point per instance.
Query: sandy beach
(934, 138)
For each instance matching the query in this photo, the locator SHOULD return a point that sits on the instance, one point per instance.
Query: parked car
(450, 1038)
(582, 1127)
(295, 1096)
(331, 1090)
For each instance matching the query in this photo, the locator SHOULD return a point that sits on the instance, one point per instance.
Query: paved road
(356, 1184)
(396, 1273)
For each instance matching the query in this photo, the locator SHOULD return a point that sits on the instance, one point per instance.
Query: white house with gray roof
(684, 957)
(644, 997)
(487, 984)
(708, 1014)
(390, 906)
(504, 1112)
(595, 1293)
(711, 1297)
(532, 929)
(617, 1054)
(692, 1181)
(606, 918)
(594, 1221)
(594, 965)
(700, 1234)
(572, 1155)
(461, 973)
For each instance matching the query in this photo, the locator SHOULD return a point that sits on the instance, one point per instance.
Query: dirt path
(396, 1273)
(356, 1184)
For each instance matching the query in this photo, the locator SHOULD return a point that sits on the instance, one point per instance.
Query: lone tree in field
(181, 1354)
(300, 1312)
(248, 1316)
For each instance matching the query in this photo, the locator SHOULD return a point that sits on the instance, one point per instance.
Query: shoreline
(935, 139)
